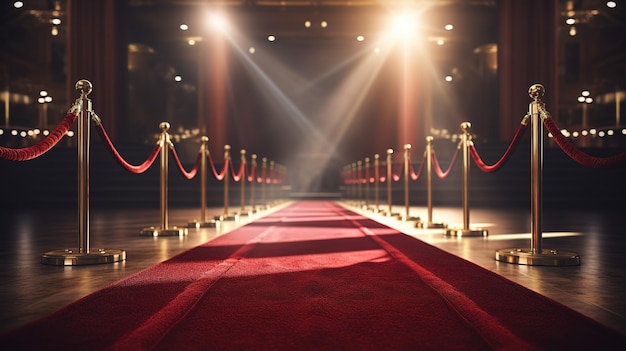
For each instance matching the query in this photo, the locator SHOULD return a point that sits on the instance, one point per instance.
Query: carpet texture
(314, 276)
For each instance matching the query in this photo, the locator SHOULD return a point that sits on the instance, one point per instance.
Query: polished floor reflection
(30, 289)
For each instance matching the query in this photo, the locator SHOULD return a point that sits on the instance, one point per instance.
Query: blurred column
(527, 54)
(96, 51)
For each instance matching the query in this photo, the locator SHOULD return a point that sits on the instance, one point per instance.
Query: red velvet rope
(438, 170)
(242, 168)
(193, 171)
(30, 152)
(396, 175)
(134, 169)
(218, 176)
(579, 156)
(251, 173)
(496, 166)
(415, 176)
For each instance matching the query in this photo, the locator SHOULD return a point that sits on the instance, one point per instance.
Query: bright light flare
(403, 26)
(217, 21)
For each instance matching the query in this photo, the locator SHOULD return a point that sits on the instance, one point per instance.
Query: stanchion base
(197, 224)
(227, 217)
(430, 225)
(532, 258)
(404, 218)
(244, 213)
(466, 232)
(173, 231)
(389, 214)
(72, 257)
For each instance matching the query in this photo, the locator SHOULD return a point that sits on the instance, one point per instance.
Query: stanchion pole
(466, 230)
(367, 183)
(429, 189)
(243, 211)
(536, 255)
(226, 216)
(354, 178)
(253, 166)
(407, 158)
(272, 182)
(377, 183)
(203, 223)
(165, 229)
(359, 183)
(83, 255)
(390, 212)
(263, 183)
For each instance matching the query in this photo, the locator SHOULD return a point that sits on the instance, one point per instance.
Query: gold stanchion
(253, 166)
(272, 184)
(226, 216)
(429, 190)
(165, 229)
(366, 205)
(376, 208)
(203, 222)
(466, 230)
(359, 183)
(243, 211)
(264, 181)
(390, 212)
(536, 255)
(407, 159)
(83, 255)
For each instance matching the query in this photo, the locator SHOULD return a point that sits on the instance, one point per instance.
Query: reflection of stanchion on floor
(226, 216)
(466, 230)
(83, 255)
(429, 192)
(165, 229)
(203, 222)
(536, 255)
(389, 212)
(407, 159)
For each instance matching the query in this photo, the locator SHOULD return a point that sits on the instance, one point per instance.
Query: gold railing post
(203, 223)
(164, 230)
(83, 255)
(263, 184)
(389, 212)
(242, 211)
(466, 231)
(429, 189)
(359, 185)
(537, 255)
(377, 182)
(367, 183)
(407, 161)
(272, 184)
(227, 163)
(253, 166)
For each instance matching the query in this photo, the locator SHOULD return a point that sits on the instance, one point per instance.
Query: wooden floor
(30, 289)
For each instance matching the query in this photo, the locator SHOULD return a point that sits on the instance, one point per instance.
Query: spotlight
(217, 21)
(404, 26)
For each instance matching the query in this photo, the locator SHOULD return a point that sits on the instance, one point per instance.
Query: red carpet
(314, 276)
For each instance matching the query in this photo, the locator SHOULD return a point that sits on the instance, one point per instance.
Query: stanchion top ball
(84, 86)
(536, 91)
